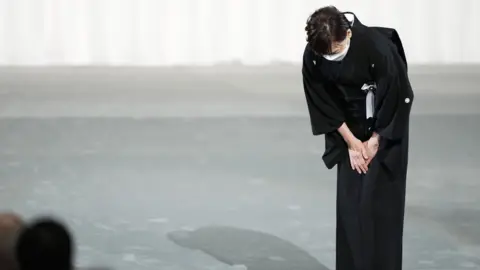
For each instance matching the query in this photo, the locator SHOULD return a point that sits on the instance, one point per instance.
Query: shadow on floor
(251, 249)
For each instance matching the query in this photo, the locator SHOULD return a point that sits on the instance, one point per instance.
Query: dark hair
(45, 244)
(324, 26)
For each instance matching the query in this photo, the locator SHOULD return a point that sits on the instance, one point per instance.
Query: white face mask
(338, 56)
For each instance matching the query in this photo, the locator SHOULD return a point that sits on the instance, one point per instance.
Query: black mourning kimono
(370, 207)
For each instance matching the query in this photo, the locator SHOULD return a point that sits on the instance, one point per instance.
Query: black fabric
(370, 217)
(370, 207)
(393, 35)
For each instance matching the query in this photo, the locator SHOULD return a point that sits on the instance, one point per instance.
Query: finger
(354, 164)
(372, 156)
(359, 169)
(358, 164)
(367, 162)
(363, 166)
(365, 153)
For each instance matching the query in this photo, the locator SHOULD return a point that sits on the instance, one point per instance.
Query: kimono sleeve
(325, 113)
(394, 95)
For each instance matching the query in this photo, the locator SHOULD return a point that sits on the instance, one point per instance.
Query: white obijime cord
(370, 100)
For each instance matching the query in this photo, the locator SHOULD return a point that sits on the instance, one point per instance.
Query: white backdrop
(204, 32)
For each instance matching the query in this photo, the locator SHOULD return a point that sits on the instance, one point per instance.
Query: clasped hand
(362, 153)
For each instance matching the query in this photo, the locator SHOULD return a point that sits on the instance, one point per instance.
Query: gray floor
(217, 169)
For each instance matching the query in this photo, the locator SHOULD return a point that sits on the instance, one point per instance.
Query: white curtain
(205, 32)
